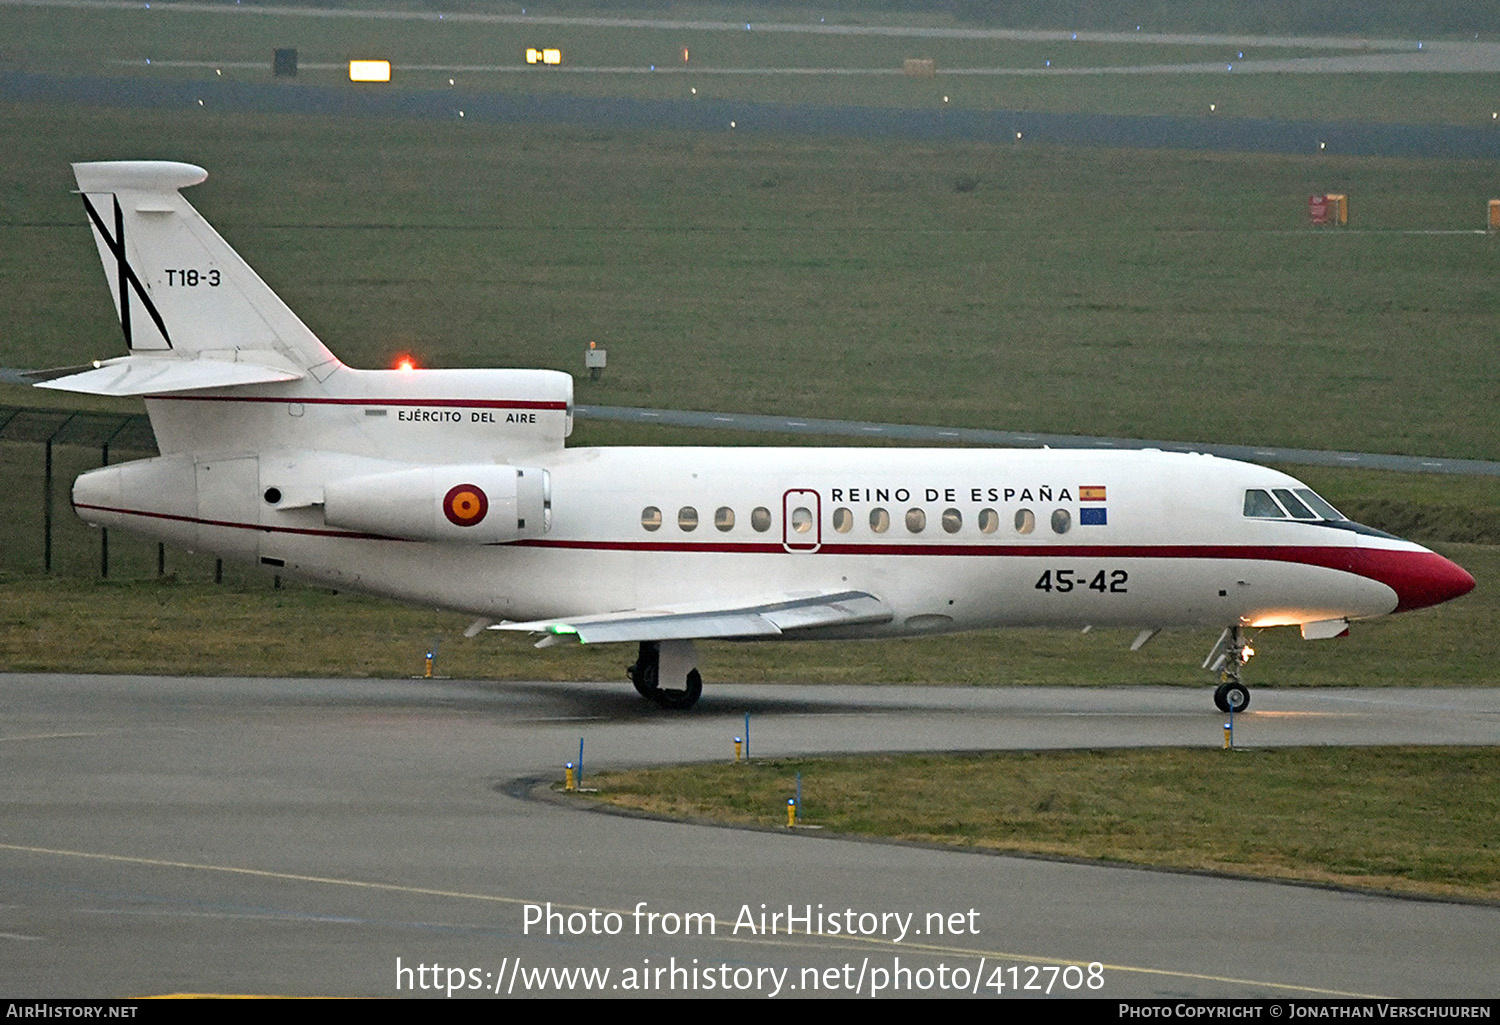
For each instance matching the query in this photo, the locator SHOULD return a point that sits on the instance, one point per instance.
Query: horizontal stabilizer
(730, 619)
(49, 374)
(149, 375)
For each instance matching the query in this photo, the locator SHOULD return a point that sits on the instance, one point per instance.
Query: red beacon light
(404, 362)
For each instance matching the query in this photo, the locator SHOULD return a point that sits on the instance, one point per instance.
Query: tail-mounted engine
(477, 504)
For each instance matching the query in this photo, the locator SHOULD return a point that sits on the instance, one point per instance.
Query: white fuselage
(947, 539)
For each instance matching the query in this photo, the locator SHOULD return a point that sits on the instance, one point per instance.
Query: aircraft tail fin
(193, 312)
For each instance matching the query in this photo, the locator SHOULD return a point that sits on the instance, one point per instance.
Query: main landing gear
(674, 663)
(1227, 658)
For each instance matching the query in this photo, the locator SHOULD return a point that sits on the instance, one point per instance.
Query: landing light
(1278, 617)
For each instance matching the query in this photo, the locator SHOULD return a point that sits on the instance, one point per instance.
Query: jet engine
(475, 504)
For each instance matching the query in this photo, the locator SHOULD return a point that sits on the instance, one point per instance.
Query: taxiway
(167, 835)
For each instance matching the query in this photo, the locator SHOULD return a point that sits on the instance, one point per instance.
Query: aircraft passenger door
(801, 521)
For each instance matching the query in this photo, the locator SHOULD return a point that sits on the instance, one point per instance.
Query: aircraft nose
(1420, 578)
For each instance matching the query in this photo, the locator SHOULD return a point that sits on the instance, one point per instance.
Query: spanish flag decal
(1091, 493)
(465, 505)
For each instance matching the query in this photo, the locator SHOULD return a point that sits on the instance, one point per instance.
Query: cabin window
(760, 519)
(916, 520)
(1025, 521)
(724, 518)
(802, 519)
(989, 521)
(843, 520)
(880, 521)
(651, 518)
(953, 521)
(687, 518)
(1261, 505)
(1062, 521)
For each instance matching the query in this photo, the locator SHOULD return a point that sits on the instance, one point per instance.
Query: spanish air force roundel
(465, 505)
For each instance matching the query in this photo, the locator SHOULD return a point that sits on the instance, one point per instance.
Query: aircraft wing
(786, 613)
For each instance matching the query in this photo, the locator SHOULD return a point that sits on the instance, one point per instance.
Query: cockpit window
(1316, 503)
(1292, 504)
(1296, 503)
(1260, 504)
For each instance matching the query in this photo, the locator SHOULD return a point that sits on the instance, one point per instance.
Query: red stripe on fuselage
(1419, 578)
(441, 403)
(235, 525)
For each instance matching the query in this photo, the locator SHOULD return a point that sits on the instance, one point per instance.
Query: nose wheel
(1227, 658)
(1232, 696)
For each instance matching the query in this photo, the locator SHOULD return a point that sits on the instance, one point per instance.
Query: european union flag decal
(1092, 517)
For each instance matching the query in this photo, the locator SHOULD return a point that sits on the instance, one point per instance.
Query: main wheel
(1232, 697)
(686, 698)
(646, 669)
(643, 675)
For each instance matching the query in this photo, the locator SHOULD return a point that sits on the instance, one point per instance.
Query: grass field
(1407, 820)
(1125, 293)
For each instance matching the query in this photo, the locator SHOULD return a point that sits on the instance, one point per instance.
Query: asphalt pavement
(316, 837)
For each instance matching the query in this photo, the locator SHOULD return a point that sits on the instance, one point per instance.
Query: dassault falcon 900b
(454, 488)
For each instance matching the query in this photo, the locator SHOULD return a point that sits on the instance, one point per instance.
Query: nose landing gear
(1227, 658)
